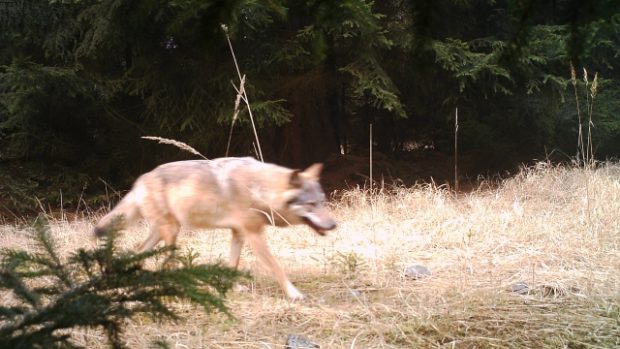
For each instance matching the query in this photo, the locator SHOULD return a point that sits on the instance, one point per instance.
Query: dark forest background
(82, 80)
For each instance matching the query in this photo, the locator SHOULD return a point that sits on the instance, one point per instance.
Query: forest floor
(531, 262)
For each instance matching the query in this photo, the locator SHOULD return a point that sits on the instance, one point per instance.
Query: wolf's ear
(314, 171)
(296, 181)
(311, 173)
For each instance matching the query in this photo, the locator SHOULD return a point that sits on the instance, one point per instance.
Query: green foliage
(505, 66)
(349, 264)
(472, 61)
(98, 288)
(358, 35)
(42, 107)
(82, 80)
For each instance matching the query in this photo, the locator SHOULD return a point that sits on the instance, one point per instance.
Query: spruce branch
(98, 288)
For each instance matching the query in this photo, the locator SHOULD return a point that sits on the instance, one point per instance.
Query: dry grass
(553, 228)
(178, 144)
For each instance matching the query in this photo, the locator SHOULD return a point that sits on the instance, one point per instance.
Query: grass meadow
(550, 232)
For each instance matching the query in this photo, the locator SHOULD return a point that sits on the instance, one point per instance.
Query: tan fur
(237, 193)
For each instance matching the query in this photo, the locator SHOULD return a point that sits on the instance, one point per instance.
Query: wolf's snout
(320, 223)
(330, 225)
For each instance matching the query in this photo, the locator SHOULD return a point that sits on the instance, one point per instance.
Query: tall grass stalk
(580, 147)
(456, 151)
(370, 155)
(585, 149)
(178, 144)
(592, 93)
(241, 93)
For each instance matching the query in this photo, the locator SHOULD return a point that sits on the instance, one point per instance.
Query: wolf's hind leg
(151, 241)
(236, 244)
(164, 228)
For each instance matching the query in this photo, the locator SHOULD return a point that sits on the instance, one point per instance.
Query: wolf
(241, 194)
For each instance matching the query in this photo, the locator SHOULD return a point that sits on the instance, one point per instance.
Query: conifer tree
(99, 288)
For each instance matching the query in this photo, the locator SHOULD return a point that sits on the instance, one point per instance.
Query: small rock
(294, 341)
(520, 288)
(416, 271)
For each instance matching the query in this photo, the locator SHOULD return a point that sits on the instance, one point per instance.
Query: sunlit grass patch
(549, 233)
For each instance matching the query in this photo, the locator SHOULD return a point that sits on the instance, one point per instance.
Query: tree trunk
(310, 136)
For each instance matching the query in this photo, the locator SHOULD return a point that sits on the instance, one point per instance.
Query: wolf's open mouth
(318, 229)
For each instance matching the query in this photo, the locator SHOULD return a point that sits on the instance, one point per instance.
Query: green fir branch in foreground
(97, 288)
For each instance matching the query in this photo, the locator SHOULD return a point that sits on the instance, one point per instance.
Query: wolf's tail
(125, 213)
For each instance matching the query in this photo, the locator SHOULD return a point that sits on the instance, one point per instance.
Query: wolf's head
(305, 200)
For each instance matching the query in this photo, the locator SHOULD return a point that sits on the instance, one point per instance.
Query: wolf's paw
(293, 293)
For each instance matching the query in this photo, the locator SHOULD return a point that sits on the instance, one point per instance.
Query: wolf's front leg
(236, 244)
(261, 250)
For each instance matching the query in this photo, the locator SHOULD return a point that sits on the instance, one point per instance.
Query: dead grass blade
(178, 144)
